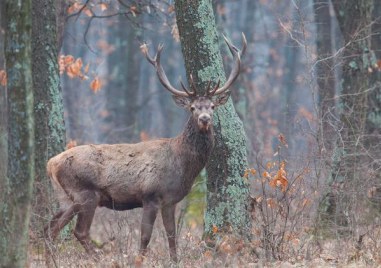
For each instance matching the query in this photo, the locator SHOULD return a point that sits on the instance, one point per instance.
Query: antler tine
(145, 52)
(212, 92)
(190, 93)
(192, 85)
(236, 68)
(161, 74)
(208, 88)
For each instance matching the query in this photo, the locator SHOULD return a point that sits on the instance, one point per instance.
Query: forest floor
(118, 236)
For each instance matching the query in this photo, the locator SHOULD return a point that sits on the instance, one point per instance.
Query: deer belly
(119, 204)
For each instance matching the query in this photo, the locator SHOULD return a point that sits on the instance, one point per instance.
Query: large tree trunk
(227, 192)
(16, 197)
(354, 18)
(48, 105)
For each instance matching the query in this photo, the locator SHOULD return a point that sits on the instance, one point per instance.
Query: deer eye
(192, 108)
(212, 106)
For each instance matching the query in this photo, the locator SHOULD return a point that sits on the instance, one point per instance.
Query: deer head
(201, 106)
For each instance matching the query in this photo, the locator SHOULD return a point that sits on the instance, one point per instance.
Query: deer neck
(198, 143)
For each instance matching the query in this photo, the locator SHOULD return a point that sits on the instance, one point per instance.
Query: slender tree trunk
(227, 192)
(15, 208)
(48, 105)
(325, 72)
(3, 104)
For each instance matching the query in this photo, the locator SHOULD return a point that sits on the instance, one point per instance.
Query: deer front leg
(88, 202)
(168, 216)
(149, 216)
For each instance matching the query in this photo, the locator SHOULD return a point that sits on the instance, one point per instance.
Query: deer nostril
(204, 118)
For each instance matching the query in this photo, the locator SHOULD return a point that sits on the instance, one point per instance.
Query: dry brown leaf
(3, 78)
(103, 6)
(144, 48)
(266, 175)
(280, 178)
(74, 8)
(139, 261)
(86, 69)
(74, 69)
(68, 59)
(88, 12)
(144, 136)
(282, 139)
(96, 84)
(208, 255)
(71, 144)
(175, 33)
(171, 8)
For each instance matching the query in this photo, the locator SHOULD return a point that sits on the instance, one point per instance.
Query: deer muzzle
(204, 121)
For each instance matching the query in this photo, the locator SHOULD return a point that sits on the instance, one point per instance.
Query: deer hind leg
(168, 216)
(88, 204)
(63, 217)
(150, 210)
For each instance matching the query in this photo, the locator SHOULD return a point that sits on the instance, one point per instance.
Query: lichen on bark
(227, 194)
(17, 191)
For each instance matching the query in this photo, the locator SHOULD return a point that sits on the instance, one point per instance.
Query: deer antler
(163, 77)
(235, 70)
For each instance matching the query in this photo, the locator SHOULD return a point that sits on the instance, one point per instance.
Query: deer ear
(222, 98)
(181, 101)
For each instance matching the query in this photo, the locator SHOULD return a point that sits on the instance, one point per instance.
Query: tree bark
(228, 193)
(15, 206)
(48, 105)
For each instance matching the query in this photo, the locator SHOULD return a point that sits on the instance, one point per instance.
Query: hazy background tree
(325, 72)
(373, 127)
(355, 20)
(18, 185)
(3, 101)
(123, 81)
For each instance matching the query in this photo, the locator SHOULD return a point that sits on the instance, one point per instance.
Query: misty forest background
(309, 97)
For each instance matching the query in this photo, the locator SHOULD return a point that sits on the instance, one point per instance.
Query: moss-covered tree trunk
(48, 105)
(354, 18)
(15, 205)
(228, 193)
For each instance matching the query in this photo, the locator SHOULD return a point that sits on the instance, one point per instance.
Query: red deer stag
(154, 174)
